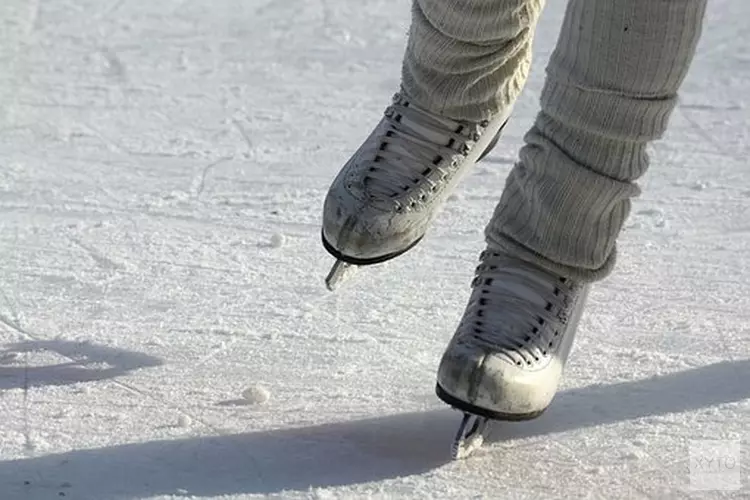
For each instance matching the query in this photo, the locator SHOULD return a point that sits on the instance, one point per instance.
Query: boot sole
(384, 258)
(483, 412)
(357, 261)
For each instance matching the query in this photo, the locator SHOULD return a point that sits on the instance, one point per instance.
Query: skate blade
(470, 436)
(339, 274)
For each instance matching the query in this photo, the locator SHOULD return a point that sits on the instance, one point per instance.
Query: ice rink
(164, 327)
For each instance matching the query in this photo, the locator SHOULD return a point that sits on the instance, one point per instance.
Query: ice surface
(152, 152)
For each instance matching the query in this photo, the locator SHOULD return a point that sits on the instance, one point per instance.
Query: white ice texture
(162, 171)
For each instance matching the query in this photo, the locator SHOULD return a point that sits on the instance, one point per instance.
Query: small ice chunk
(256, 395)
(634, 455)
(277, 240)
(184, 421)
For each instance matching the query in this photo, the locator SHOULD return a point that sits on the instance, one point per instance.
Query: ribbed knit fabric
(611, 87)
(468, 59)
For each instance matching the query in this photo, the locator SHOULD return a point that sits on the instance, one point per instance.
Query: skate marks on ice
(38, 363)
(347, 453)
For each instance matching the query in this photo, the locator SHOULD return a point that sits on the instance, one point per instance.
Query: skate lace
(520, 311)
(407, 164)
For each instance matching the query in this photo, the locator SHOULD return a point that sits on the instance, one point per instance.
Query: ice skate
(383, 200)
(507, 355)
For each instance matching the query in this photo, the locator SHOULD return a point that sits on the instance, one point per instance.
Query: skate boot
(383, 200)
(507, 356)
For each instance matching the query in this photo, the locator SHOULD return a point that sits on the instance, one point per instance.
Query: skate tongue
(415, 140)
(429, 133)
(527, 288)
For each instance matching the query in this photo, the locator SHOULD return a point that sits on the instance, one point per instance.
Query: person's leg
(610, 89)
(465, 64)
(469, 60)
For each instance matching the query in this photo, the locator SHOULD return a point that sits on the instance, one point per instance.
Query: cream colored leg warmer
(611, 87)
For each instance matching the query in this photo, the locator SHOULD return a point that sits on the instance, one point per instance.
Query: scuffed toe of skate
(359, 231)
(492, 383)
